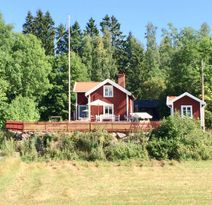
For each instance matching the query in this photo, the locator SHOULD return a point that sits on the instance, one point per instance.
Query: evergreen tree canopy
(42, 26)
(91, 28)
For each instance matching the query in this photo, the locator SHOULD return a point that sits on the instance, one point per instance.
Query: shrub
(8, 147)
(60, 148)
(22, 108)
(7, 144)
(89, 146)
(123, 151)
(179, 138)
(208, 119)
(27, 149)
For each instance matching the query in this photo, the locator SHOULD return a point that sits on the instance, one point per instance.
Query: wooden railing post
(22, 126)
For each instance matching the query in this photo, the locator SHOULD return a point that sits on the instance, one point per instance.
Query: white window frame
(79, 106)
(104, 88)
(186, 106)
(109, 106)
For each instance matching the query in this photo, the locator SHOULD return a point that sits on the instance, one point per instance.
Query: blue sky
(132, 14)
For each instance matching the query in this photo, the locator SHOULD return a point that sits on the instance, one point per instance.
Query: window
(82, 111)
(108, 91)
(186, 110)
(108, 109)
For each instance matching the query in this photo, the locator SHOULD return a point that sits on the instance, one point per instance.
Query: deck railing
(65, 126)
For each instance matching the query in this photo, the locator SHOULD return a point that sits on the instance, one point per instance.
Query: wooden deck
(121, 126)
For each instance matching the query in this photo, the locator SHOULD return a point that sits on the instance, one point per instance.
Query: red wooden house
(187, 105)
(118, 101)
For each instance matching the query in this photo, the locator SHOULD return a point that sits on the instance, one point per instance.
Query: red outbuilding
(105, 100)
(187, 105)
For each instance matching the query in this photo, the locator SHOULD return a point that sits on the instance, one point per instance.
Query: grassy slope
(105, 183)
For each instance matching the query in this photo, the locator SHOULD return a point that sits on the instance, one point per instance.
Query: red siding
(188, 101)
(81, 99)
(118, 99)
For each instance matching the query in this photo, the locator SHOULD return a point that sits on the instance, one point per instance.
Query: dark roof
(146, 103)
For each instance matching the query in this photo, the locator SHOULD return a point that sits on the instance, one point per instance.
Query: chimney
(121, 79)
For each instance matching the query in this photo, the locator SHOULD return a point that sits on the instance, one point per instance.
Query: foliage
(124, 151)
(27, 149)
(170, 66)
(24, 67)
(42, 26)
(23, 109)
(91, 28)
(208, 119)
(181, 139)
(55, 102)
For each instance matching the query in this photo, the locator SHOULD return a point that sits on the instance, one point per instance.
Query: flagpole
(69, 70)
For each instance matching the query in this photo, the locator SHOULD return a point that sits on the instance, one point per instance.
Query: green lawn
(68, 182)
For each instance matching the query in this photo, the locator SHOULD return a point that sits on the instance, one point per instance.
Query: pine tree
(61, 39)
(105, 24)
(154, 84)
(42, 26)
(91, 28)
(50, 32)
(112, 25)
(76, 37)
(98, 60)
(28, 26)
(110, 64)
(87, 53)
(152, 54)
(134, 68)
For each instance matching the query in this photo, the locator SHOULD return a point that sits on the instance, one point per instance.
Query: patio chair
(117, 117)
(98, 118)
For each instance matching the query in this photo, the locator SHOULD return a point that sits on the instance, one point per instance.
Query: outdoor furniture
(97, 118)
(137, 116)
(117, 117)
(107, 117)
(55, 118)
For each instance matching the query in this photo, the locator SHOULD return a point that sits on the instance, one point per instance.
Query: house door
(82, 111)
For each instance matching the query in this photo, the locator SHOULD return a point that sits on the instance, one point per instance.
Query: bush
(180, 139)
(27, 149)
(60, 148)
(7, 144)
(123, 151)
(208, 119)
(89, 146)
(22, 108)
(8, 147)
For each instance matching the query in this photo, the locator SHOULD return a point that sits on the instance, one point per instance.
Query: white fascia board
(189, 95)
(110, 82)
(74, 87)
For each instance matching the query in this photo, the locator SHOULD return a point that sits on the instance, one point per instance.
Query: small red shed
(187, 105)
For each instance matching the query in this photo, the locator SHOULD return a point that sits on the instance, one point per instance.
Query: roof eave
(111, 82)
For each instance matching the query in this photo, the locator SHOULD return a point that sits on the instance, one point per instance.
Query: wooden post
(22, 126)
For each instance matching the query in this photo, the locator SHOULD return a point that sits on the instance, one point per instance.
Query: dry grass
(66, 182)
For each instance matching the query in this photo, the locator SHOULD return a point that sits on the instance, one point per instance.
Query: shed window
(186, 110)
(108, 91)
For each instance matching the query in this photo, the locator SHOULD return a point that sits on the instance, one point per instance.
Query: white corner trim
(202, 116)
(89, 108)
(127, 105)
